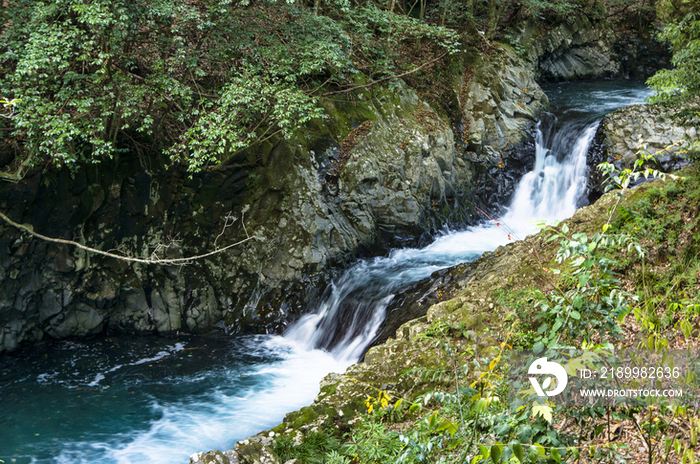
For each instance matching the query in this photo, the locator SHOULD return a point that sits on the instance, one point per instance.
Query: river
(158, 400)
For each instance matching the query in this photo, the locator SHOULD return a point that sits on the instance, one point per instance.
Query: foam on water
(162, 405)
(219, 418)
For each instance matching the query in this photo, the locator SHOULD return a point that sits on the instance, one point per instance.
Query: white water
(348, 320)
(217, 406)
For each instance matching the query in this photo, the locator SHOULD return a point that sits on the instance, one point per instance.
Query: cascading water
(349, 317)
(132, 401)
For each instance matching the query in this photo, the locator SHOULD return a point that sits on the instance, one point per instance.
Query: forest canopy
(679, 87)
(200, 80)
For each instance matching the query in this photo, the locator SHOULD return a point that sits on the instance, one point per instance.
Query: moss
(303, 416)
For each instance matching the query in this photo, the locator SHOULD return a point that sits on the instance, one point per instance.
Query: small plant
(372, 443)
(312, 450)
(587, 300)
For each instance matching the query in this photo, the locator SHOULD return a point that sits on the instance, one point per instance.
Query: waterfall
(145, 401)
(354, 307)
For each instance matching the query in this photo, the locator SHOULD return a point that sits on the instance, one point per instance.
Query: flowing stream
(158, 400)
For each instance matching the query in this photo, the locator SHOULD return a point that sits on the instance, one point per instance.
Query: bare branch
(153, 260)
(227, 224)
(328, 94)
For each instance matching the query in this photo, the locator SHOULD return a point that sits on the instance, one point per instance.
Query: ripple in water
(152, 400)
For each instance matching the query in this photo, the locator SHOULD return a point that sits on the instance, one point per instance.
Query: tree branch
(175, 261)
(327, 94)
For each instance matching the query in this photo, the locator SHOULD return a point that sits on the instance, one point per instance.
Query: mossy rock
(214, 457)
(255, 453)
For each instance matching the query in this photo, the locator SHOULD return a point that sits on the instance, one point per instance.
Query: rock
(583, 50)
(79, 319)
(51, 305)
(625, 133)
(215, 457)
(502, 102)
(251, 452)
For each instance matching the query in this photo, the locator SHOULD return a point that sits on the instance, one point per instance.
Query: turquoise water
(158, 400)
(149, 399)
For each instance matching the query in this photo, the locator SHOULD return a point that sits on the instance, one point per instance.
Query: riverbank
(487, 309)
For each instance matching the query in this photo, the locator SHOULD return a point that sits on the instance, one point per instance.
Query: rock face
(500, 103)
(382, 170)
(384, 167)
(626, 133)
(582, 50)
(641, 127)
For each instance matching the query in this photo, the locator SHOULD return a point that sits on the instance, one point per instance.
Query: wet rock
(643, 128)
(78, 319)
(51, 305)
(502, 102)
(584, 50)
(626, 133)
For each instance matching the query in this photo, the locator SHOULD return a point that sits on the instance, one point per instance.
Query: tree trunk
(494, 16)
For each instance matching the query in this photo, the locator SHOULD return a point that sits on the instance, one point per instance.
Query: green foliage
(680, 85)
(371, 442)
(668, 280)
(589, 301)
(312, 450)
(427, 436)
(203, 80)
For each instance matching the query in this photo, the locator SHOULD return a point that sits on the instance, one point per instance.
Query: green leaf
(502, 429)
(496, 450)
(525, 433)
(575, 315)
(538, 347)
(583, 280)
(519, 452)
(484, 452)
(557, 325)
(540, 450)
(556, 455)
(448, 426)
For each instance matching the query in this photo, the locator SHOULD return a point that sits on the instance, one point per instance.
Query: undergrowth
(634, 282)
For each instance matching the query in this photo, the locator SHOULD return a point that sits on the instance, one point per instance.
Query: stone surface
(584, 50)
(626, 133)
(215, 457)
(636, 128)
(502, 102)
(383, 170)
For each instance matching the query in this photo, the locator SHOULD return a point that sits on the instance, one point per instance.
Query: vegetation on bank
(624, 275)
(200, 81)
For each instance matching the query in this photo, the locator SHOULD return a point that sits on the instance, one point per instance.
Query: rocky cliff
(384, 166)
(383, 169)
(582, 50)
